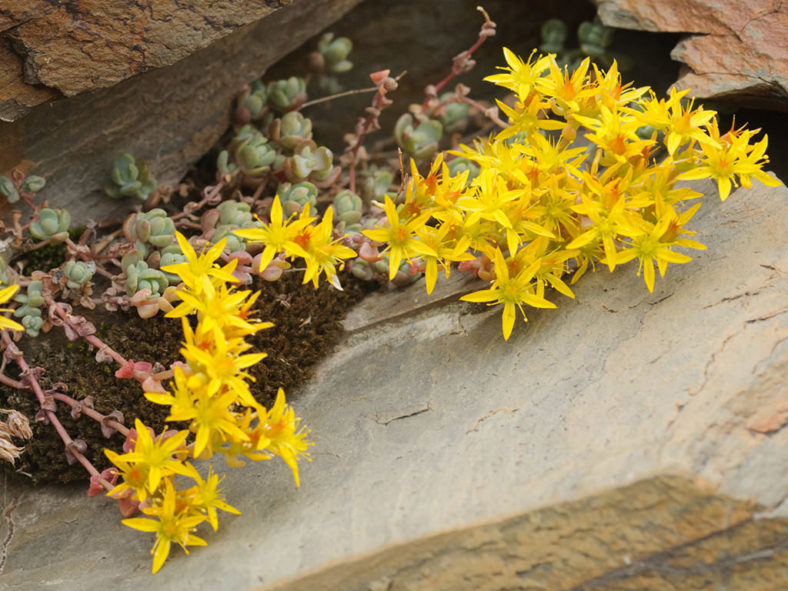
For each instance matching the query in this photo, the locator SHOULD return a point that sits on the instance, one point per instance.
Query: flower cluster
(299, 236)
(210, 392)
(538, 205)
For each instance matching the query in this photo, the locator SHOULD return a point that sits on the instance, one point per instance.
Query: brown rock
(661, 533)
(73, 48)
(169, 116)
(738, 50)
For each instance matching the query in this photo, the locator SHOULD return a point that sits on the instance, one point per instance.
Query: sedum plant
(525, 209)
(541, 206)
(210, 394)
(129, 178)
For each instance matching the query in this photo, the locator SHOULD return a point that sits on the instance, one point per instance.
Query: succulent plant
(140, 276)
(252, 102)
(251, 152)
(455, 115)
(129, 179)
(554, 34)
(286, 95)
(361, 269)
(291, 130)
(234, 243)
(7, 275)
(594, 37)
(30, 310)
(172, 255)
(347, 209)
(52, 225)
(78, 273)
(420, 142)
(310, 162)
(33, 184)
(223, 164)
(154, 227)
(33, 296)
(402, 278)
(33, 323)
(334, 51)
(8, 189)
(375, 183)
(294, 196)
(233, 215)
(459, 165)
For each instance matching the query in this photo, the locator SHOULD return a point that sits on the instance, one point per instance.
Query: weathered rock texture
(662, 533)
(626, 440)
(737, 50)
(71, 48)
(168, 116)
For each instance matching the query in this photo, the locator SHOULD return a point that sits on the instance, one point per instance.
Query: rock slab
(626, 440)
(197, 61)
(736, 49)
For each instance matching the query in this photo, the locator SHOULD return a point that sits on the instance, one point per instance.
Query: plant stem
(91, 338)
(19, 359)
(92, 413)
(331, 97)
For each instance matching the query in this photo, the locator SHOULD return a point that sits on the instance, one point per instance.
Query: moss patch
(307, 325)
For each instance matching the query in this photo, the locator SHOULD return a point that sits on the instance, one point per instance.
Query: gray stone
(626, 440)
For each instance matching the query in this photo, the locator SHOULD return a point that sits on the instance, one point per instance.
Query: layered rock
(147, 78)
(736, 50)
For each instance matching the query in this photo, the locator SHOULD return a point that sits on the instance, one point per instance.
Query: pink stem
(11, 382)
(16, 354)
(209, 193)
(92, 413)
(92, 339)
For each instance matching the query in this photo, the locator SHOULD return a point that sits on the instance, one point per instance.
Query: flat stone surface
(626, 440)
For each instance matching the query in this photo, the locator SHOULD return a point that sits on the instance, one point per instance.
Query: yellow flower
(277, 236)
(157, 457)
(522, 76)
(685, 124)
(324, 253)
(732, 155)
(257, 441)
(134, 476)
(6, 294)
(217, 308)
(196, 267)
(222, 365)
(286, 439)
(208, 498)
(170, 527)
(400, 237)
(652, 243)
(568, 90)
(446, 248)
(512, 292)
(616, 134)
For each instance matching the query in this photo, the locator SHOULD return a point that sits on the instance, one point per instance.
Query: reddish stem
(488, 30)
(208, 194)
(379, 102)
(16, 355)
(92, 339)
(92, 413)
(11, 382)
